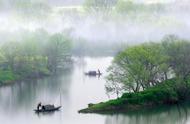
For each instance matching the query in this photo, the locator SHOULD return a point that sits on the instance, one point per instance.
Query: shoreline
(161, 95)
(127, 108)
(32, 76)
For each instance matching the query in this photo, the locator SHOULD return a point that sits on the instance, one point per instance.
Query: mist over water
(92, 31)
(132, 26)
(74, 88)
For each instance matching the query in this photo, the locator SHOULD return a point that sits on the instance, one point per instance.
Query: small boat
(47, 108)
(93, 73)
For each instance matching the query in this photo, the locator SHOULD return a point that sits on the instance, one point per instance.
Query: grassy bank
(8, 76)
(166, 93)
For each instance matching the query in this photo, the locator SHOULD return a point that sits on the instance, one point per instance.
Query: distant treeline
(121, 6)
(33, 54)
(97, 48)
(42, 9)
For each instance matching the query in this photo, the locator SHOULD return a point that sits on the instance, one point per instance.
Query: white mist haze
(131, 27)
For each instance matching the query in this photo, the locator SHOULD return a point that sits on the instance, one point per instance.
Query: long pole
(60, 98)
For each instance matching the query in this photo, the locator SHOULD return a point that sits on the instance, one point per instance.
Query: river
(74, 91)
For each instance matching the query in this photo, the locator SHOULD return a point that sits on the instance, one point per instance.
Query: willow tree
(58, 51)
(10, 52)
(139, 67)
(179, 55)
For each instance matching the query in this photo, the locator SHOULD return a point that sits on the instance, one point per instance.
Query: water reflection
(18, 101)
(178, 114)
(25, 94)
(77, 90)
(45, 113)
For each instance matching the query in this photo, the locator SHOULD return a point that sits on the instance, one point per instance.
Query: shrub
(7, 76)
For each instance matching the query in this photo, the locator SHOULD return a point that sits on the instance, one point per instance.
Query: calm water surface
(77, 90)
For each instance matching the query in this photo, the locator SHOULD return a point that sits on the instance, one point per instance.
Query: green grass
(8, 76)
(162, 93)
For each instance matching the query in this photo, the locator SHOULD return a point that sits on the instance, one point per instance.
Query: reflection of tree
(25, 95)
(163, 115)
(181, 110)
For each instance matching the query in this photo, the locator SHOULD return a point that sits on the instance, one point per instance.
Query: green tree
(99, 5)
(124, 6)
(58, 51)
(35, 9)
(114, 84)
(179, 55)
(10, 51)
(140, 67)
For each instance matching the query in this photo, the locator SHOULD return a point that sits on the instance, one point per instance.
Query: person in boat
(43, 107)
(39, 105)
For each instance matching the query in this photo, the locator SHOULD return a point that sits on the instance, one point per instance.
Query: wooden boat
(93, 73)
(47, 109)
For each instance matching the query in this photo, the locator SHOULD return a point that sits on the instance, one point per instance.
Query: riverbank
(166, 93)
(8, 77)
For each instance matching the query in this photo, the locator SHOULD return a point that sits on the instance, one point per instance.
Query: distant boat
(93, 73)
(47, 108)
